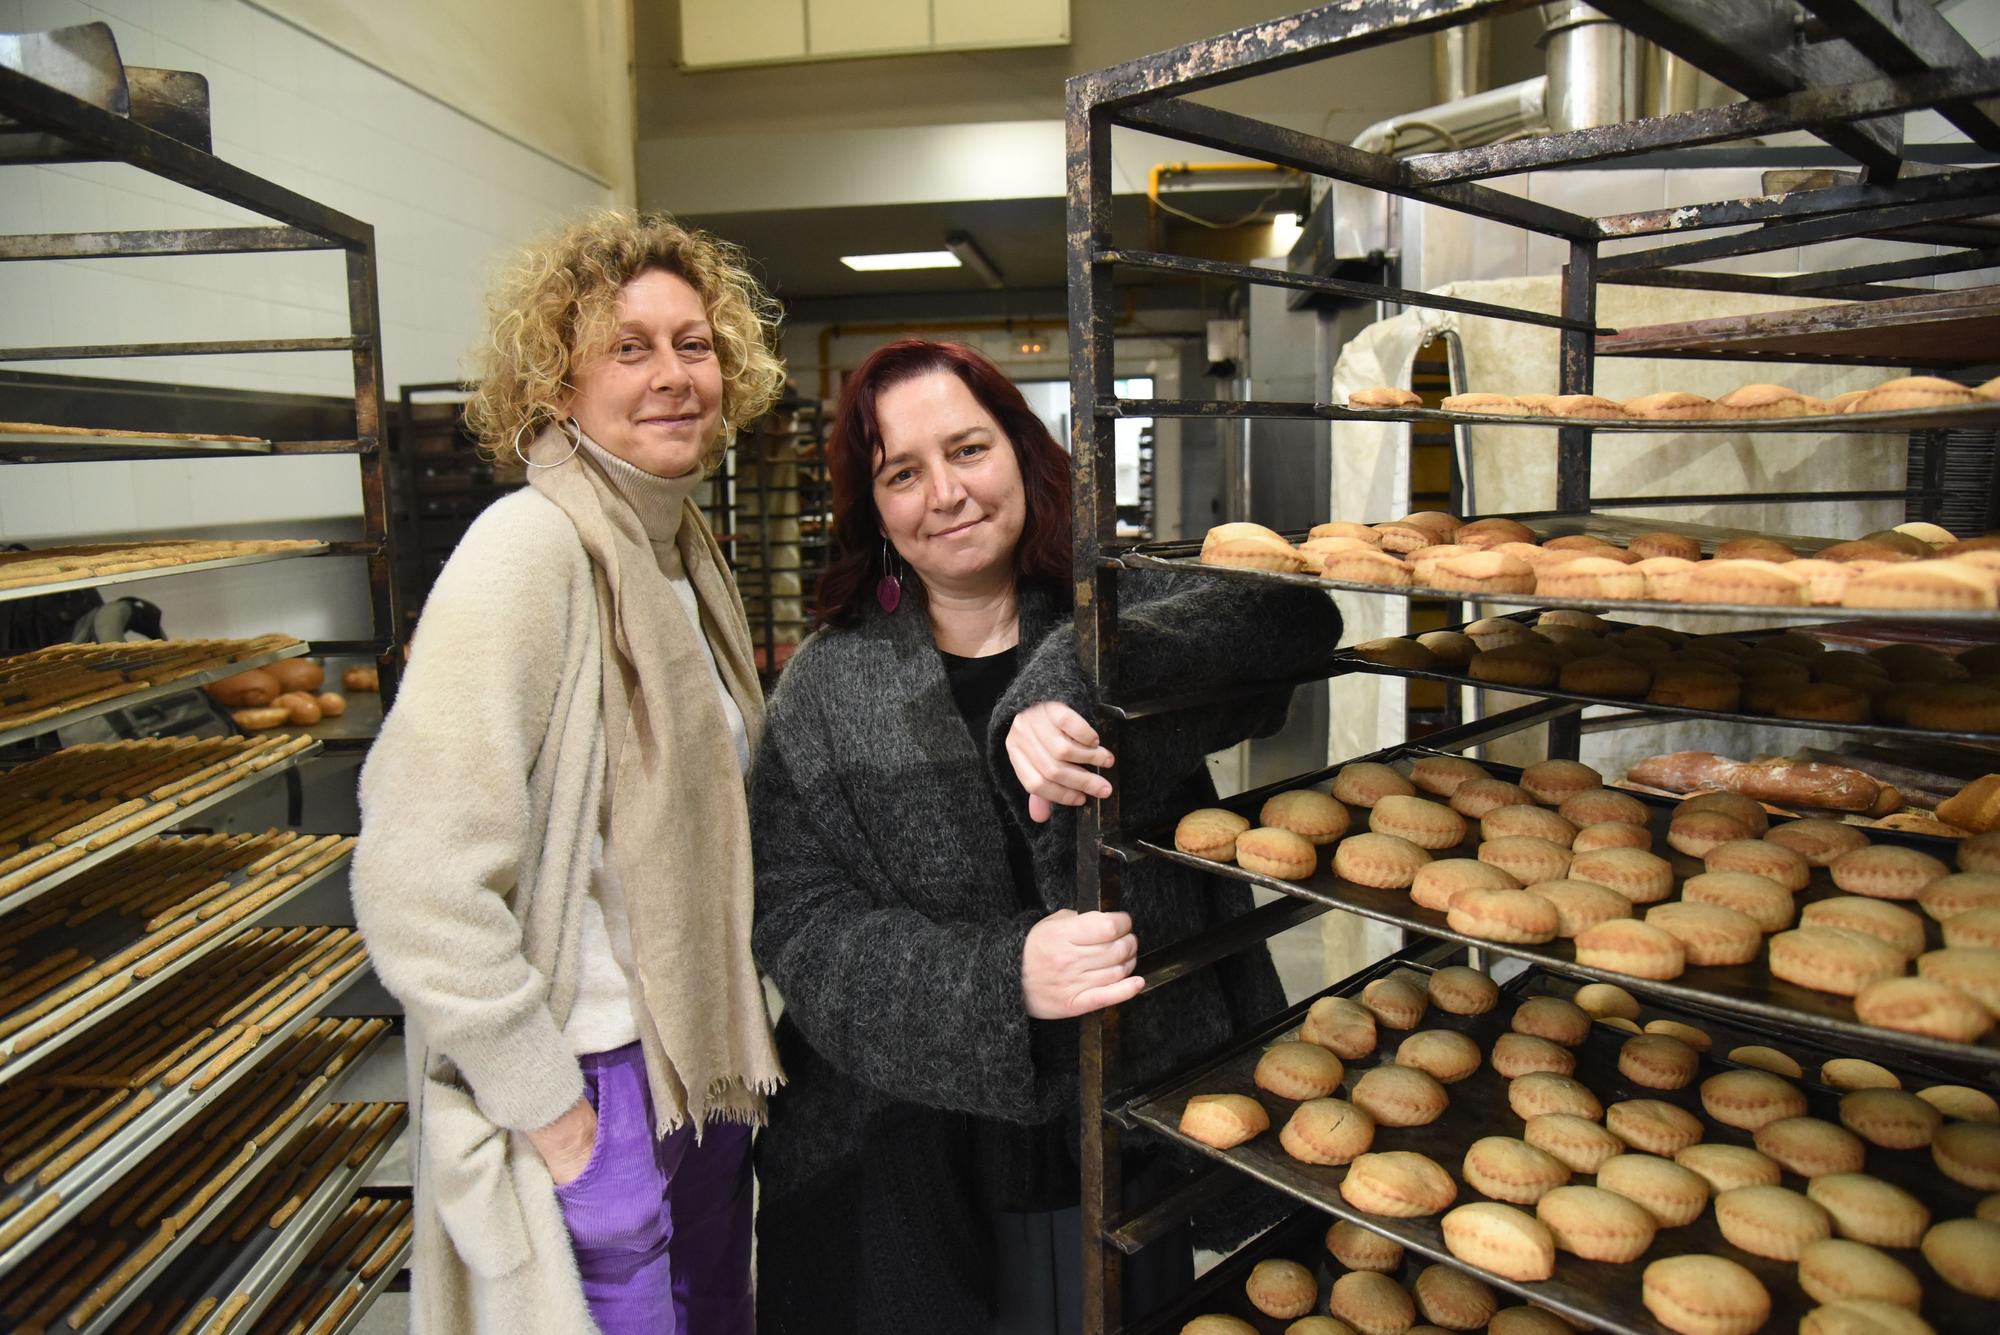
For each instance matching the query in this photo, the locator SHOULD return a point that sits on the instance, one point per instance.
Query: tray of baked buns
(74, 1126)
(1595, 561)
(1786, 678)
(1886, 939)
(1288, 1281)
(1904, 404)
(71, 811)
(86, 1275)
(101, 942)
(243, 1259)
(45, 689)
(1626, 1181)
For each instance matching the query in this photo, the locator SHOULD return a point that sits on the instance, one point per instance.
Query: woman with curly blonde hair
(554, 867)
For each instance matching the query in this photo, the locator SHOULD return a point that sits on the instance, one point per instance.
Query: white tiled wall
(447, 197)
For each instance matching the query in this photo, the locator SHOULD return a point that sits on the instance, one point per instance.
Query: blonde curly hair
(555, 308)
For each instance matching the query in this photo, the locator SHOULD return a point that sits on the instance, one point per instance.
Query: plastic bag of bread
(246, 690)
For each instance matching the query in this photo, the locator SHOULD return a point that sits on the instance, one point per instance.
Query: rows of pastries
(1913, 567)
(1785, 675)
(1533, 1137)
(1746, 403)
(1911, 942)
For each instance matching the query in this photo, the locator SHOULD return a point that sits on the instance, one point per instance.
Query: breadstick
(109, 1127)
(35, 1158)
(338, 1312)
(199, 1315)
(393, 1250)
(82, 1278)
(385, 1224)
(98, 822)
(34, 1287)
(165, 1062)
(183, 943)
(149, 1252)
(23, 1223)
(230, 1311)
(43, 1032)
(186, 1215)
(147, 944)
(227, 1058)
(189, 1064)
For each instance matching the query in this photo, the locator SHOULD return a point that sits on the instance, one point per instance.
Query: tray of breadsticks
(240, 1262)
(1789, 678)
(75, 1126)
(355, 1260)
(93, 1269)
(75, 809)
(1886, 939)
(1594, 562)
(46, 570)
(44, 689)
(102, 942)
(1597, 1155)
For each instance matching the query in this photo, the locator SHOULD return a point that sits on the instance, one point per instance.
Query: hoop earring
(889, 588)
(575, 443)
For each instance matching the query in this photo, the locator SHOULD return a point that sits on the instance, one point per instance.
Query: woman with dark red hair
(915, 858)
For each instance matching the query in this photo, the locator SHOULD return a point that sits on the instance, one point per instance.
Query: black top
(1019, 1168)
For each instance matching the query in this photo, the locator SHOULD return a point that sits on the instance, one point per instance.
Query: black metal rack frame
(91, 133)
(1845, 70)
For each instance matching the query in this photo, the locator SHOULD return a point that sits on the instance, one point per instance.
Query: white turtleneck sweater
(601, 1019)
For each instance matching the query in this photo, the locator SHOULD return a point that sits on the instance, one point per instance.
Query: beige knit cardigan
(468, 886)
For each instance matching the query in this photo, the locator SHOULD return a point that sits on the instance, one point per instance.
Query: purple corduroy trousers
(661, 1228)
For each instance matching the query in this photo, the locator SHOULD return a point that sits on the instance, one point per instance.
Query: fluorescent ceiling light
(908, 259)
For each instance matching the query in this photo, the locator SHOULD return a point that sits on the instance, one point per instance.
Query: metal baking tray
(1347, 660)
(1185, 556)
(55, 447)
(129, 576)
(267, 1155)
(1931, 419)
(179, 685)
(1598, 1295)
(249, 779)
(173, 1107)
(1744, 990)
(333, 1277)
(109, 934)
(259, 1269)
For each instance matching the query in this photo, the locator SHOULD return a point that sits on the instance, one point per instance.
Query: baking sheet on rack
(1599, 1294)
(1745, 989)
(1351, 661)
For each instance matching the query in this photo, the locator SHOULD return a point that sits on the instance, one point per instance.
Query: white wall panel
(969, 23)
(741, 32)
(856, 27)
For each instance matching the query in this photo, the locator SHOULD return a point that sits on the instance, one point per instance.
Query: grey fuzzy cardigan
(889, 920)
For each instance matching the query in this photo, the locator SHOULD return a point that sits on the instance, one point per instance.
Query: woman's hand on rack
(1049, 745)
(565, 1144)
(1075, 963)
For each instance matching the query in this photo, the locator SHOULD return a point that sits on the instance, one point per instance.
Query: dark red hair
(854, 564)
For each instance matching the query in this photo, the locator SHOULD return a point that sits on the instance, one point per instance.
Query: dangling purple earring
(889, 588)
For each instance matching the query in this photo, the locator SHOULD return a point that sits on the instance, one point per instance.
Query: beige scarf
(677, 816)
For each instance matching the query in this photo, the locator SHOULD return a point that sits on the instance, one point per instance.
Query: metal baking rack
(1300, 1237)
(1599, 1295)
(71, 127)
(110, 1162)
(345, 1272)
(183, 568)
(178, 686)
(250, 777)
(266, 1156)
(108, 935)
(1743, 989)
(1842, 70)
